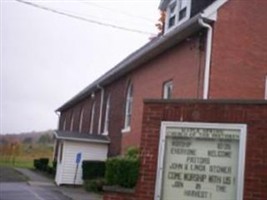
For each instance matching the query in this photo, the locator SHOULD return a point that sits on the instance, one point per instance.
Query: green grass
(24, 158)
(19, 162)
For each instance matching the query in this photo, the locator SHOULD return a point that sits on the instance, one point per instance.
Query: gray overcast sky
(47, 58)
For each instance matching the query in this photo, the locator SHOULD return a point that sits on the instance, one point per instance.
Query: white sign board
(200, 161)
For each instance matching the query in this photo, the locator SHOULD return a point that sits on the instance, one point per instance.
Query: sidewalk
(75, 193)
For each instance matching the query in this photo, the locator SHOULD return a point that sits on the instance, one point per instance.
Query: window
(92, 119)
(64, 124)
(178, 11)
(81, 120)
(167, 90)
(72, 122)
(266, 88)
(172, 13)
(106, 122)
(60, 152)
(128, 107)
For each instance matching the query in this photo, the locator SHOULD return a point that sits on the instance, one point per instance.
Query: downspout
(101, 108)
(58, 114)
(207, 58)
(55, 151)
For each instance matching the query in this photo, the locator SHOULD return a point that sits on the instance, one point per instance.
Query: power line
(83, 18)
(118, 11)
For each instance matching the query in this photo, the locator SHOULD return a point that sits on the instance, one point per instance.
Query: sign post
(200, 161)
(78, 160)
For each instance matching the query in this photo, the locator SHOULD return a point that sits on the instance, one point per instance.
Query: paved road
(25, 184)
(14, 186)
(23, 191)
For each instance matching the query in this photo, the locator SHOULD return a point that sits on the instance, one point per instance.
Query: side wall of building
(182, 64)
(239, 56)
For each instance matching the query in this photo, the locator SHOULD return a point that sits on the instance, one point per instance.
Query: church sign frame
(201, 161)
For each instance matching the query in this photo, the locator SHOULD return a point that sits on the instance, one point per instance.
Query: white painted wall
(66, 169)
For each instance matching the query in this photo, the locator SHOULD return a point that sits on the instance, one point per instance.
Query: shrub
(44, 163)
(123, 171)
(93, 169)
(132, 152)
(54, 167)
(36, 164)
(94, 185)
(112, 171)
(49, 170)
(41, 164)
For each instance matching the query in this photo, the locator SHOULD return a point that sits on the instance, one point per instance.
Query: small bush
(49, 170)
(93, 169)
(54, 167)
(36, 164)
(112, 171)
(94, 185)
(132, 152)
(123, 171)
(41, 164)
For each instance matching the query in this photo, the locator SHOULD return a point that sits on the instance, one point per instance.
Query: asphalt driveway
(26, 184)
(8, 174)
(14, 186)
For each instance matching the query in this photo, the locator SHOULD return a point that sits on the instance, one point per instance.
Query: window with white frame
(81, 120)
(128, 107)
(72, 122)
(92, 118)
(167, 90)
(178, 11)
(106, 122)
(266, 88)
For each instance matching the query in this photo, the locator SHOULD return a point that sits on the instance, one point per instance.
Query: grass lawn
(20, 162)
(25, 157)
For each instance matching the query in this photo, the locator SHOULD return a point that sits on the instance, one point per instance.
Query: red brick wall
(239, 57)
(182, 64)
(117, 101)
(254, 114)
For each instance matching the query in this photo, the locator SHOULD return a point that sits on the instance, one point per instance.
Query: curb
(38, 183)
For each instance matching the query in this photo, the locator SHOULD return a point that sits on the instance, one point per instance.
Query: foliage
(41, 164)
(94, 185)
(161, 22)
(45, 139)
(93, 169)
(16, 154)
(123, 171)
(27, 140)
(132, 152)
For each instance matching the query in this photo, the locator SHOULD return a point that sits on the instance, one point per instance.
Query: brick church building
(209, 50)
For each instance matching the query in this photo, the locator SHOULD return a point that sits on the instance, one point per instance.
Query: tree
(45, 139)
(27, 140)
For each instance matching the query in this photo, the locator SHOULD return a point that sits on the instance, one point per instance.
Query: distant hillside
(31, 137)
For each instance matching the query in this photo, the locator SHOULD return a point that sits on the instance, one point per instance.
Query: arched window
(167, 90)
(64, 123)
(72, 122)
(128, 107)
(106, 122)
(81, 120)
(92, 119)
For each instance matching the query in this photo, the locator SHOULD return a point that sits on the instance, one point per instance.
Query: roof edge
(141, 56)
(207, 101)
(89, 140)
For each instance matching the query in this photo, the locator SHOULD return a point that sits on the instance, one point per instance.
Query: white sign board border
(242, 149)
